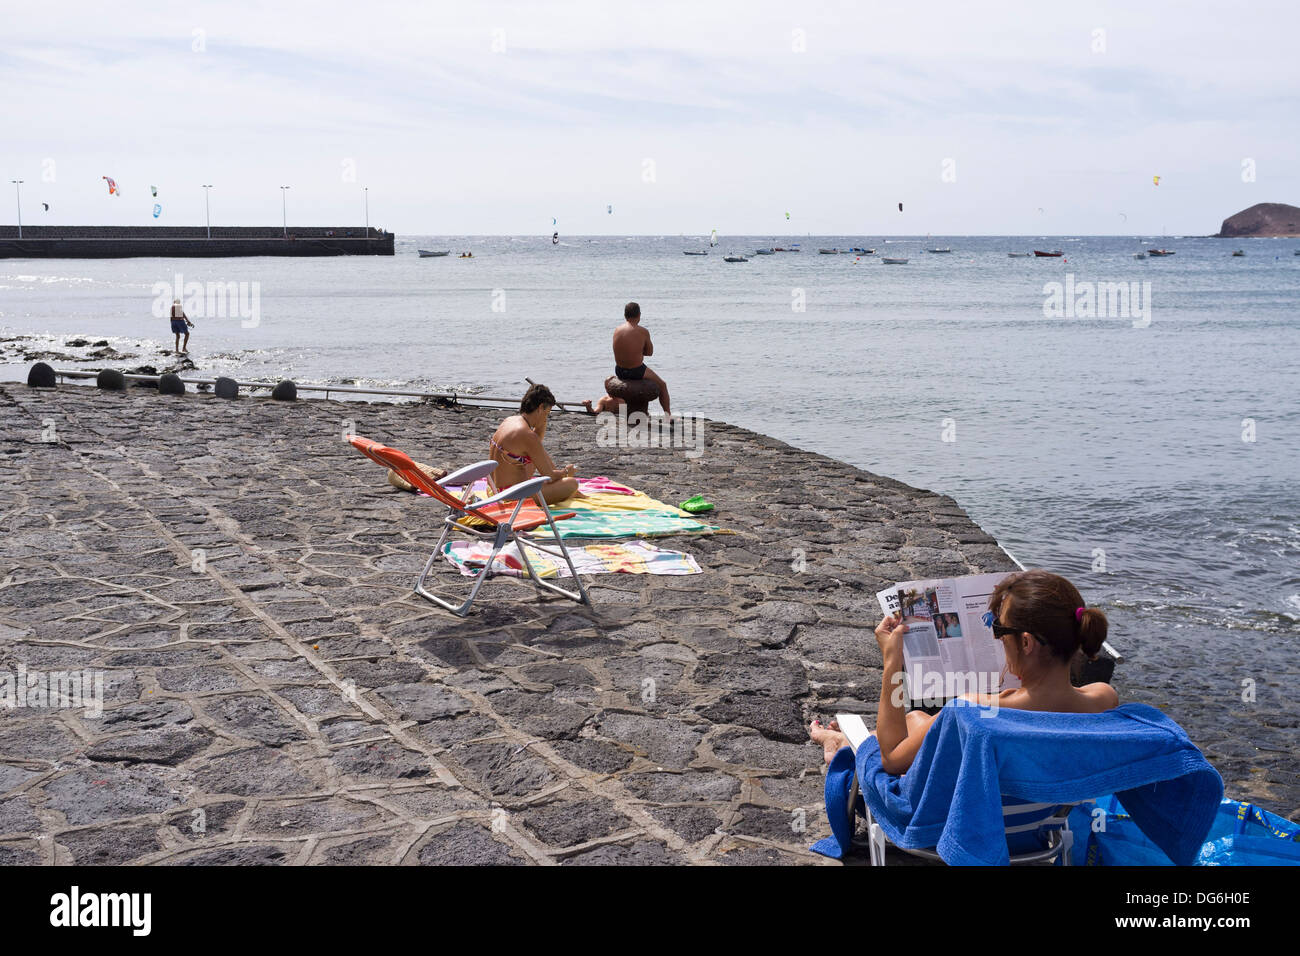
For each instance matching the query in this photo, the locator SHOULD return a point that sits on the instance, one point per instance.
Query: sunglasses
(1006, 630)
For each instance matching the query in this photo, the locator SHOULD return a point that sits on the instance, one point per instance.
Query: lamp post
(366, 190)
(207, 213)
(284, 191)
(19, 193)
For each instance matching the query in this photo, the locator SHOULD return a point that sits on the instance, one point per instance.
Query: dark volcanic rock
(1262, 219)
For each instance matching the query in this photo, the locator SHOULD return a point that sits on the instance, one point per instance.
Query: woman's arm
(899, 737)
(537, 452)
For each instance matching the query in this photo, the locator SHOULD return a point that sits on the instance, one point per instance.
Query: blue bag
(1242, 835)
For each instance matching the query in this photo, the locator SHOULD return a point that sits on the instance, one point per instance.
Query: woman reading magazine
(1041, 621)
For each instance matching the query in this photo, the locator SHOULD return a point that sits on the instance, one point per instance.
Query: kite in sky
(157, 210)
(46, 205)
(112, 186)
(900, 207)
(1156, 180)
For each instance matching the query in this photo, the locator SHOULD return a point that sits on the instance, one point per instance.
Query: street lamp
(284, 190)
(366, 189)
(19, 193)
(207, 214)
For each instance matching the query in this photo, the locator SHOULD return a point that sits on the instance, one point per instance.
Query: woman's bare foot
(829, 737)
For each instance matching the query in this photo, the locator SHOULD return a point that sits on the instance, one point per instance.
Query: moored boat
(734, 259)
(1054, 254)
(432, 253)
(1160, 252)
(688, 252)
(893, 261)
(944, 249)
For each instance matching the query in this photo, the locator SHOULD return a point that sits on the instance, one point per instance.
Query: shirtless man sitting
(632, 346)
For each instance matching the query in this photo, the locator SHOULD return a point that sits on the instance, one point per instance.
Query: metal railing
(459, 398)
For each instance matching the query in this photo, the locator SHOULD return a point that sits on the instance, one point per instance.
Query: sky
(495, 118)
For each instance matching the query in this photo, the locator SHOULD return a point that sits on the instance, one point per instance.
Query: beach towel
(599, 483)
(628, 557)
(951, 797)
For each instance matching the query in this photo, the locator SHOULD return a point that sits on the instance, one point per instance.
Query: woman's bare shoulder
(1101, 693)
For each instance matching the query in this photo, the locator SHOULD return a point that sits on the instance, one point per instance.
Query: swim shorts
(179, 327)
(630, 374)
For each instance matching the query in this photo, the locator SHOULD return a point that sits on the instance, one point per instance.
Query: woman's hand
(889, 634)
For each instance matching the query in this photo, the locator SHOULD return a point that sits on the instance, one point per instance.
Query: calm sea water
(1077, 441)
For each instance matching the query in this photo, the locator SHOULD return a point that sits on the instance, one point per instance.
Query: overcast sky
(682, 116)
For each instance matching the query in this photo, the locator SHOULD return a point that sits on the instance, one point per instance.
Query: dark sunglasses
(1006, 630)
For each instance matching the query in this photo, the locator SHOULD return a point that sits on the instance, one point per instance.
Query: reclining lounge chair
(506, 517)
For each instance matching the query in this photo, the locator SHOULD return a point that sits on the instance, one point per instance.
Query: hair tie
(1078, 614)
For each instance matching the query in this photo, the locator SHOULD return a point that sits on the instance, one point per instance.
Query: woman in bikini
(1041, 622)
(516, 446)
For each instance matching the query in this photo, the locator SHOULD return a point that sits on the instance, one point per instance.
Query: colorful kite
(157, 210)
(153, 190)
(1156, 180)
(900, 207)
(112, 186)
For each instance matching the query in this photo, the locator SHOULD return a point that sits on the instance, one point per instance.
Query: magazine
(948, 649)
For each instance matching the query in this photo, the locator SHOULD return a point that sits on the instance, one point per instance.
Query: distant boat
(794, 248)
(1054, 254)
(1160, 252)
(889, 261)
(764, 252)
(829, 252)
(688, 252)
(432, 254)
(734, 259)
(861, 252)
(1239, 252)
(944, 249)
(1020, 255)
(1139, 255)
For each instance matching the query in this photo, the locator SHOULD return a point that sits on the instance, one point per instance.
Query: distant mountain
(1262, 219)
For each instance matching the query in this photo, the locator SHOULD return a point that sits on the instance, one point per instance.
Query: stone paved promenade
(288, 700)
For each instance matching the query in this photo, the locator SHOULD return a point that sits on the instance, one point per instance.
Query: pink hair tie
(1078, 614)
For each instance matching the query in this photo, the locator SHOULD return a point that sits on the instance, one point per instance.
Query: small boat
(1160, 252)
(944, 249)
(890, 261)
(432, 254)
(1020, 255)
(764, 252)
(466, 255)
(1054, 254)
(785, 248)
(1139, 255)
(734, 259)
(688, 252)
(1240, 252)
(861, 252)
(828, 252)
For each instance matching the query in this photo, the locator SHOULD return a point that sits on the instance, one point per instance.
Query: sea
(1148, 450)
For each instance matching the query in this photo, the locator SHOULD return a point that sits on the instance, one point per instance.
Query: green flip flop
(696, 505)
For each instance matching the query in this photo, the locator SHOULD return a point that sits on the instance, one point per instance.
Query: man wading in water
(181, 325)
(632, 346)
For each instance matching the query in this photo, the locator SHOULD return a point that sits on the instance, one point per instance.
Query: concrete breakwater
(273, 692)
(119, 242)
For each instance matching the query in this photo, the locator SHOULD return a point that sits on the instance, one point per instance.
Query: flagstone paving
(273, 692)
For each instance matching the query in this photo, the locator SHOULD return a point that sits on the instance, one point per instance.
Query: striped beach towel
(626, 557)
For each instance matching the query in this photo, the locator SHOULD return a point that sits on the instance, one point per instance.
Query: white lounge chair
(1046, 818)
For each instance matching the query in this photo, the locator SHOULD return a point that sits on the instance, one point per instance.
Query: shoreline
(297, 677)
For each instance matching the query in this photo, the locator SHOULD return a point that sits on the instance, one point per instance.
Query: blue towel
(951, 797)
